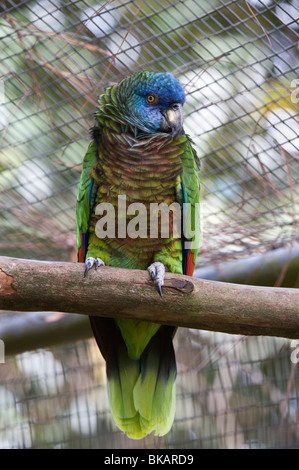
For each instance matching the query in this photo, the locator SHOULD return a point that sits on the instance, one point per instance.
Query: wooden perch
(28, 285)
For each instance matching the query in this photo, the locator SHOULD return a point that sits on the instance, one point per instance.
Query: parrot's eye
(152, 99)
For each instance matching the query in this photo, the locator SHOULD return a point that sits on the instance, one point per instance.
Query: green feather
(142, 392)
(154, 392)
(83, 196)
(120, 391)
(189, 179)
(136, 335)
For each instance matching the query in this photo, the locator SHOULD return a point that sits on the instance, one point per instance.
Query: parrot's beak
(172, 120)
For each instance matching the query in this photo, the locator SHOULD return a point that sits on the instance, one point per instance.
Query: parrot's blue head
(152, 102)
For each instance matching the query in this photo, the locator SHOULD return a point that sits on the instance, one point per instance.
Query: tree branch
(278, 267)
(26, 331)
(126, 293)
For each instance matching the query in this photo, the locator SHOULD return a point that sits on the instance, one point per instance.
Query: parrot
(139, 150)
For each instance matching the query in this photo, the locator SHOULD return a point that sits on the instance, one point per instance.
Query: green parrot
(139, 150)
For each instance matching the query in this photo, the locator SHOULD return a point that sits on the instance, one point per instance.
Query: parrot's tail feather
(154, 392)
(122, 372)
(141, 391)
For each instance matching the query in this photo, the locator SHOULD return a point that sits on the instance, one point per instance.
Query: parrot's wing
(189, 195)
(85, 200)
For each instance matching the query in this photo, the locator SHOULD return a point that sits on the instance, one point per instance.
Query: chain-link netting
(238, 62)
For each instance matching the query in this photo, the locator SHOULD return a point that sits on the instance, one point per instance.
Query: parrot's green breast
(144, 172)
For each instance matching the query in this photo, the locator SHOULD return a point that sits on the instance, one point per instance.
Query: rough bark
(28, 285)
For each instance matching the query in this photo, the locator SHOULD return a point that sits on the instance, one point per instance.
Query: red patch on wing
(190, 263)
(81, 251)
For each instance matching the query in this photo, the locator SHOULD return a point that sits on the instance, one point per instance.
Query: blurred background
(238, 62)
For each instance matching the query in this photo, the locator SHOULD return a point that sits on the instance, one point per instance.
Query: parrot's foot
(157, 273)
(92, 261)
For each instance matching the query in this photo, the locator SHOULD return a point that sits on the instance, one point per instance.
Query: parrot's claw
(90, 262)
(157, 273)
(159, 287)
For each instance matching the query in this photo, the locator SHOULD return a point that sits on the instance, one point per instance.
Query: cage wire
(238, 62)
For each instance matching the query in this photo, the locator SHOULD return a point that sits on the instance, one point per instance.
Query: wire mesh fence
(238, 62)
(232, 392)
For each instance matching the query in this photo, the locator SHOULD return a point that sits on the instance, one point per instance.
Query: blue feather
(185, 251)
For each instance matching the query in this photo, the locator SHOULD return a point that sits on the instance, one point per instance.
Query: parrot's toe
(157, 273)
(90, 262)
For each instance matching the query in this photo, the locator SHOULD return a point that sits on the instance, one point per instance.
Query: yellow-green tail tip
(142, 391)
(140, 426)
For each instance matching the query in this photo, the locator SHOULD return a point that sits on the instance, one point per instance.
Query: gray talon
(157, 273)
(99, 262)
(159, 288)
(89, 262)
